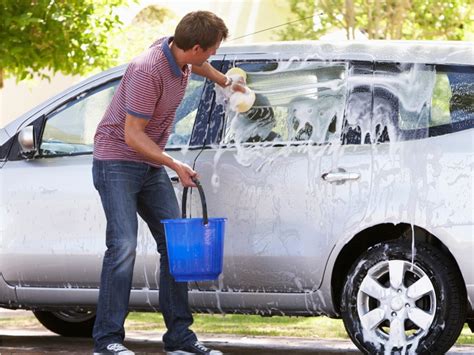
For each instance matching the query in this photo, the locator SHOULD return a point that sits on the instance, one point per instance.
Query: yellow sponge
(237, 72)
(241, 102)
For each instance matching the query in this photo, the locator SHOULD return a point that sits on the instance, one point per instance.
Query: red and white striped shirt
(152, 88)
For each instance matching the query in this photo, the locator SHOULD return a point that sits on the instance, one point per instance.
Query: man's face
(201, 55)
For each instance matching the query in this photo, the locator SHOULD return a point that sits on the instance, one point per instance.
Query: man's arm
(208, 71)
(136, 138)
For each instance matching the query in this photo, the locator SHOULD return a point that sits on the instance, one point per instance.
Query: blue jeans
(127, 188)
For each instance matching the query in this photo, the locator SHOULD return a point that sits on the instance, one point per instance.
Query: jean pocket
(97, 175)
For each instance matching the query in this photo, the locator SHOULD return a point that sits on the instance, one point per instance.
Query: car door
(265, 174)
(55, 225)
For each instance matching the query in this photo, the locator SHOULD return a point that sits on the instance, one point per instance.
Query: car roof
(430, 52)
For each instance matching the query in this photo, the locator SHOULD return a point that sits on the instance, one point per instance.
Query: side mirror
(27, 141)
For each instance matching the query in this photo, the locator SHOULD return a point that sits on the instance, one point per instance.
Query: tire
(390, 306)
(68, 323)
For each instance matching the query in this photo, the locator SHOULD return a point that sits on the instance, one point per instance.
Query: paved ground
(40, 341)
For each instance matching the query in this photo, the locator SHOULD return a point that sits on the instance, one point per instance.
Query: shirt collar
(167, 51)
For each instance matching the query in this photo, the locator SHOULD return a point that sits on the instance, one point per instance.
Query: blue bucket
(195, 245)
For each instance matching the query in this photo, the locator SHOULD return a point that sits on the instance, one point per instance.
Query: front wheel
(398, 301)
(68, 323)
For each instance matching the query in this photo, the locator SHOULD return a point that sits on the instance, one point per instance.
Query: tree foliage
(39, 37)
(149, 24)
(383, 19)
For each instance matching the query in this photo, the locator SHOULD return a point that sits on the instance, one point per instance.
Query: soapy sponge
(242, 102)
(239, 101)
(236, 72)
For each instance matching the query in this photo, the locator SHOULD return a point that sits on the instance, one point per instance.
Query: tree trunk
(376, 19)
(390, 19)
(350, 19)
(370, 19)
(1, 78)
(399, 18)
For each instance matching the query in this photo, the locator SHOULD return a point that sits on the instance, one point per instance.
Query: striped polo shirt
(152, 88)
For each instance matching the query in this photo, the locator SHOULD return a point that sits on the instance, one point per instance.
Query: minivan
(347, 188)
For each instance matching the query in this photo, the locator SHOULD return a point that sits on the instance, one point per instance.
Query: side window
(401, 101)
(442, 96)
(413, 87)
(357, 126)
(186, 113)
(295, 102)
(70, 129)
(424, 100)
(453, 97)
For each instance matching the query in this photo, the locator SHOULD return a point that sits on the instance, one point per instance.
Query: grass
(466, 337)
(251, 325)
(19, 322)
(305, 327)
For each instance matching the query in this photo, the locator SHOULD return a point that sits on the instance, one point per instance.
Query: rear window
(453, 97)
(423, 100)
(451, 103)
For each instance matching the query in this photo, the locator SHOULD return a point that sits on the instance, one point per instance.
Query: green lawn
(306, 327)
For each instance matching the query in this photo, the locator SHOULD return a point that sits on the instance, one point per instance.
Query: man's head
(200, 32)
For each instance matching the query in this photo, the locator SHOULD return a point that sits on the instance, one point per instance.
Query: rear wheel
(68, 323)
(393, 306)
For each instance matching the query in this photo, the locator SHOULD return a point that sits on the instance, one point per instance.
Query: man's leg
(157, 201)
(118, 184)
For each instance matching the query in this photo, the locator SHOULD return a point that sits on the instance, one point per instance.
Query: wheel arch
(372, 236)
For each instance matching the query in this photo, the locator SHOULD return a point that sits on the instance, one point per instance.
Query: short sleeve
(141, 94)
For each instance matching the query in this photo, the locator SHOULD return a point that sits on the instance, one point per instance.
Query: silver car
(348, 189)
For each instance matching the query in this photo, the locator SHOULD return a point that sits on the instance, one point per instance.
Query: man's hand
(185, 173)
(208, 71)
(239, 86)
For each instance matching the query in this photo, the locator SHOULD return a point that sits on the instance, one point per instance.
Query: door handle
(340, 176)
(174, 179)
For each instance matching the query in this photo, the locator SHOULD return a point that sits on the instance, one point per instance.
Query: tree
(43, 36)
(149, 24)
(383, 19)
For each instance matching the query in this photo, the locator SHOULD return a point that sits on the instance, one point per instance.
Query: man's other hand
(185, 174)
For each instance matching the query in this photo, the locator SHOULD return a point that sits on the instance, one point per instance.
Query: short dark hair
(199, 27)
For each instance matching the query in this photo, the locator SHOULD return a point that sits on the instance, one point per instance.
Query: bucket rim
(187, 220)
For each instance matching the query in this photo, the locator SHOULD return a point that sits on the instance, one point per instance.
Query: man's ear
(195, 48)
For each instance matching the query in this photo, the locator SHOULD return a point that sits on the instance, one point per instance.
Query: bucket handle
(203, 201)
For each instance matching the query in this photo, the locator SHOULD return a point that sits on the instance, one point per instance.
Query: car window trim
(206, 113)
(65, 105)
(81, 96)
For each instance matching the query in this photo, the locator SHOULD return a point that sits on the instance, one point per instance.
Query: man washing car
(129, 174)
